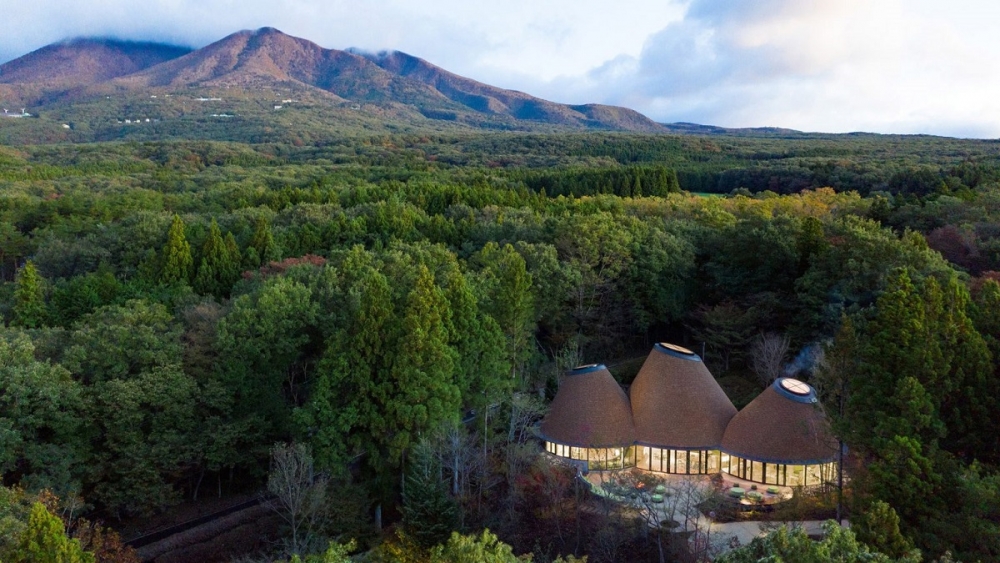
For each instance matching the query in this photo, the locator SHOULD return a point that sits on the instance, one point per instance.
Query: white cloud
(882, 65)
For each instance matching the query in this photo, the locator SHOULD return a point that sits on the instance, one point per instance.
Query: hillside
(250, 75)
(82, 62)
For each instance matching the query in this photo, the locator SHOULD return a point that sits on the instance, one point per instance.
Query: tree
(262, 249)
(42, 438)
(151, 421)
(878, 527)
(220, 264)
(177, 261)
(29, 297)
(485, 548)
(261, 344)
(122, 341)
(838, 544)
(45, 541)
(767, 356)
(429, 513)
(297, 491)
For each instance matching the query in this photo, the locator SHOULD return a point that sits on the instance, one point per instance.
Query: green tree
(146, 440)
(122, 341)
(42, 431)
(29, 297)
(429, 513)
(220, 264)
(422, 373)
(177, 261)
(838, 544)
(262, 248)
(878, 527)
(261, 352)
(45, 541)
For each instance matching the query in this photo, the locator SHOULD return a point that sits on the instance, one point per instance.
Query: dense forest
(393, 313)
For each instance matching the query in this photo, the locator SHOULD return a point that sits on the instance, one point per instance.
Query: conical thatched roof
(784, 424)
(676, 403)
(590, 410)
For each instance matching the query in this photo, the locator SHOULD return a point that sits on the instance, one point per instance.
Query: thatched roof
(590, 410)
(784, 424)
(676, 402)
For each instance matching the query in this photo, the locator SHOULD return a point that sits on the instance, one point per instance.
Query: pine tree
(177, 260)
(429, 514)
(29, 297)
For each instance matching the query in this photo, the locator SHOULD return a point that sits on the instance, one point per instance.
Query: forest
(390, 314)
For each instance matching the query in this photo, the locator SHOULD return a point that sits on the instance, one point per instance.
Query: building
(677, 419)
(781, 438)
(590, 420)
(680, 413)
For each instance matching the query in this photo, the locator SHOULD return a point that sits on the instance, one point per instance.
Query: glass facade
(779, 473)
(697, 462)
(685, 462)
(598, 459)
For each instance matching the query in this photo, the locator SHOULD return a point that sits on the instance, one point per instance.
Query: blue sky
(890, 66)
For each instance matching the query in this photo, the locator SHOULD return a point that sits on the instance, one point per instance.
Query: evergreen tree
(45, 541)
(219, 267)
(422, 373)
(878, 528)
(429, 513)
(177, 260)
(29, 297)
(262, 249)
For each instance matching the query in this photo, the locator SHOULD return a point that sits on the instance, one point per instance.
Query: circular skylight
(676, 348)
(795, 386)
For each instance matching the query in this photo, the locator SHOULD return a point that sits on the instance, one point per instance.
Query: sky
(887, 66)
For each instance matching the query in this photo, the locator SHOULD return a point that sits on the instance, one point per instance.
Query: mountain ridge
(391, 83)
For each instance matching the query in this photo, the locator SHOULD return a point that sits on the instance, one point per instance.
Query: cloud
(878, 65)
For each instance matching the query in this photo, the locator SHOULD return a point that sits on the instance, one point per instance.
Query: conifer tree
(45, 541)
(29, 297)
(219, 267)
(177, 260)
(262, 248)
(429, 514)
(232, 263)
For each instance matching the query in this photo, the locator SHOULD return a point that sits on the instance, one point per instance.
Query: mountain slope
(81, 62)
(490, 99)
(253, 70)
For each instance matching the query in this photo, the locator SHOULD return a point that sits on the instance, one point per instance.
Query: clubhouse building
(677, 420)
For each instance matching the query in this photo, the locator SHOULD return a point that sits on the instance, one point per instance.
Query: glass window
(657, 460)
(694, 462)
(796, 476)
(813, 475)
(724, 457)
(713, 461)
(756, 471)
(681, 461)
(771, 473)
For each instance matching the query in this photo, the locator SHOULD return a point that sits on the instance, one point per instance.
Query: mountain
(489, 99)
(248, 72)
(82, 62)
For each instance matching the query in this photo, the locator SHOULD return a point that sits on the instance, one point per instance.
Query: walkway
(679, 497)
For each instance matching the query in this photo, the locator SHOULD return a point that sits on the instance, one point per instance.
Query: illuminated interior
(685, 462)
(782, 474)
(598, 459)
